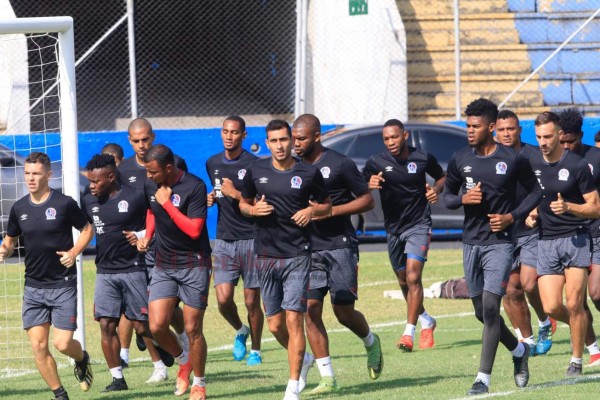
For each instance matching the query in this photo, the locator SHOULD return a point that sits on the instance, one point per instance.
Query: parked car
(360, 143)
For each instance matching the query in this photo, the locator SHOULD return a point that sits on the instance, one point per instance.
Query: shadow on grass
(16, 393)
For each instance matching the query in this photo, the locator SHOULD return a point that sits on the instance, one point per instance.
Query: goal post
(63, 28)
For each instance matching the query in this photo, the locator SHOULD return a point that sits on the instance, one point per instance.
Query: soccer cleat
(198, 393)
(139, 341)
(521, 370)
(159, 375)
(239, 346)
(405, 343)
(328, 384)
(253, 359)
(83, 372)
(124, 364)
(165, 357)
(544, 343)
(478, 388)
(307, 363)
(594, 360)
(375, 358)
(426, 340)
(63, 396)
(182, 383)
(117, 385)
(574, 370)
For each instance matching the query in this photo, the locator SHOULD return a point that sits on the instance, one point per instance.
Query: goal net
(37, 113)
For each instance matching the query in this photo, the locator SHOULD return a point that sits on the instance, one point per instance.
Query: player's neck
(486, 148)
(139, 161)
(555, 156)
(175, 176)
(403, 153)
(315, 155)
(40, 196)
(517, 146)
(283, 165)
(233, 154)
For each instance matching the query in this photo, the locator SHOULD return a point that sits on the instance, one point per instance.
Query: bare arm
(7, 247)
(589, 209)
(67, 258)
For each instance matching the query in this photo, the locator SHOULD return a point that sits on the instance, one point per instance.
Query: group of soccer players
(284, 227)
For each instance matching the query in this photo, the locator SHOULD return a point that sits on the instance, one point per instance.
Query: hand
(3, 253)
(431, 194)
(228, 189)
(532, 218)
(376, 181)
(322, 217)
(559, 206)
(163, 194)
(303, 217)
(142, 245)
(499, 222)
(210, 199)
(67, 258)
(473, 196)
(131, 237)
(261, 208)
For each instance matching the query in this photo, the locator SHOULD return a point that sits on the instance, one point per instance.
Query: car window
(341, 146)
(442, 144)
(365, 146)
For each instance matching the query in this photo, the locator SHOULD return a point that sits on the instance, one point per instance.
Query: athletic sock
(409, 330)
(306, 357)
(369, 339)
(426, 320)
(182, 358)
(530, 341)
(117, 372)
(60, 391)
(325, 367)
(124, 355)
(255, 351)
(577, 360)
(547, 322)
(593, 348)
(485, 378)
(292, 387)
(519, 351)
(518, 334)
(159, 364)
(199, 381)
(244, 330)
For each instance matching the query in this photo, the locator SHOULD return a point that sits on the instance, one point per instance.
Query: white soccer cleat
(159, 375)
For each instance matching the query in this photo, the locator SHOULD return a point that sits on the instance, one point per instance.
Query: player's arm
(229, 190)
(192, 227)
(321, 205)
(452, 185)
(68, 257)
(7, 247)
(143, 242)
(249, 207)
(589, 209)
(435, 170)
(529, 181)
(360, 204)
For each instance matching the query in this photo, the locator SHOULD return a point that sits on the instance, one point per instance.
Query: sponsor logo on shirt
(50, 213)
(537, 172)
(296, 182)
(469, 184)
(95, 218)
(325, 171)
(95, 209)
(412, 168)
(591, 168)
(218, 186)
(132, 179)
(467, 168)
(563, 174)
(152, 199)
(263, 180)
(123, 206)
(389, 168)
(24, 217)
(241, 174)
(216, 172)
(175, 199)
(501, 168)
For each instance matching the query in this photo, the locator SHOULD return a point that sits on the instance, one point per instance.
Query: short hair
(278, 124)
(99, 161)
(239, 120)
(161, 154)
(39, 157)
(506, 114)
(394, 122)
(482, 108)
(597, 137)
(571, 121)
(140, 123)
(310, 121)
(114, 149)
(547, 117)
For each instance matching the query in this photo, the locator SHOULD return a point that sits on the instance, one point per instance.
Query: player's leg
(517, 310)
(256, 318)
(575, 290)
(45, 363)
(125, 332)
(110, 347)
(594, 294)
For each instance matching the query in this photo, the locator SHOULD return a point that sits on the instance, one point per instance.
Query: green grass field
(444, 372)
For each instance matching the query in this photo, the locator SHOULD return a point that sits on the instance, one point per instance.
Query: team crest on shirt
(563, 174)
(389, 168)
(591, 168)
(132, 179)
(412, 168)
(501, 168)
(50, 213)
(95, 209)
(241, 174)
(23, 217)
(296, 182)
(175, 199)
(325, 171)
(467, 169)
(123, 206)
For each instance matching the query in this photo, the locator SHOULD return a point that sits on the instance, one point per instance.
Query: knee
(343, 316)
(252, 302)
(529, 285)
(39, 347)
(413, 279)
(276, 327)
(61, 344)
(594, 293)
(224, 302)
(514, 293)
(575, 305)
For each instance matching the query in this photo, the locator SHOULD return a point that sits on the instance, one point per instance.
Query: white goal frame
(68, 119)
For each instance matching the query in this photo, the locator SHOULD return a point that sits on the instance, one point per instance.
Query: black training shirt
(47, 228)
(591, 155)
(528, 151)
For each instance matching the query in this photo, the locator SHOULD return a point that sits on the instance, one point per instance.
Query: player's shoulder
(529, 150)
(462, 153)
(415, 154)
(88, 199)
(215, 159)
(127, 163)
(248, 156)
(591, 152)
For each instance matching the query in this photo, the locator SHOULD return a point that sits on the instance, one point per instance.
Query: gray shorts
(55, 306)
(235, 258)
(124, 293)
(557, 254)
(190, 285)
(526, 252)
(596, 250)
(337, 271)
(487, 267)
(412, 243)
(284, 283)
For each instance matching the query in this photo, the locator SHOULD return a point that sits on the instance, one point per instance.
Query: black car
(438, 139)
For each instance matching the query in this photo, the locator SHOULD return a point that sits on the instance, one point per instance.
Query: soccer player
(114, 150)
(121, 279)
(334, 247)
(482, 179)
(176, 218)
(132, 172)
(399, 174)
(571, 123)
(45, 218)
(233, 253)
(276, 193)
(523, 276)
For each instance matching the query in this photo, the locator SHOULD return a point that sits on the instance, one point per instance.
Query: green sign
(359, 7)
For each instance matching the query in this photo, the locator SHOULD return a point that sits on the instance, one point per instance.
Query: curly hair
(482, 108)
(571, 121)
(99, 161)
